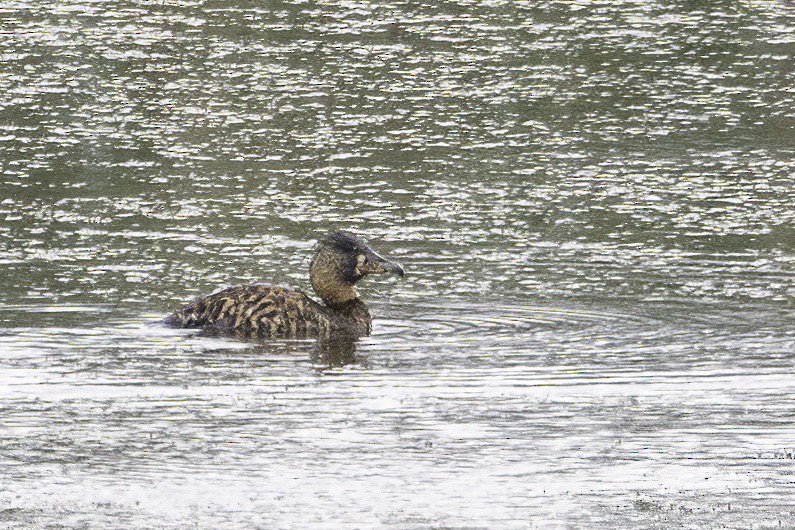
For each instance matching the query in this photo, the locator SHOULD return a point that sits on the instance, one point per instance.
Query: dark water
(593, 202)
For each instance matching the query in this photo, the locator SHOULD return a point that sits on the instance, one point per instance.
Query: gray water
(593, 202)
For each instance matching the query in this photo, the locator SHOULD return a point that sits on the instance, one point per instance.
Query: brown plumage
(257, 311)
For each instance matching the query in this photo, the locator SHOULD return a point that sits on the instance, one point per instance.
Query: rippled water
(593, 202)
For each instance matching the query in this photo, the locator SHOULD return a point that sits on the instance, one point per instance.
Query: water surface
(592, 200)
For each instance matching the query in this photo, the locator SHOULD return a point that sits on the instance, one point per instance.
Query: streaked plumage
(341, 259)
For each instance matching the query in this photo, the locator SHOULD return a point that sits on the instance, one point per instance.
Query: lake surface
(593, 202)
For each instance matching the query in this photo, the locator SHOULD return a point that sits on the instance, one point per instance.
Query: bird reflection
(337, 351)
(332, 351)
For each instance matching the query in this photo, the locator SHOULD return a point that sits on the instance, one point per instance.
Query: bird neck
(331, 289)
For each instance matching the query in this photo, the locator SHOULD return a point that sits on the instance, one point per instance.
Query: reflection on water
(336, 352)
(462, 414)
(592, 201)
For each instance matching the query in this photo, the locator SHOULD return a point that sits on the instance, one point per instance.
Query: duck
(340, 260)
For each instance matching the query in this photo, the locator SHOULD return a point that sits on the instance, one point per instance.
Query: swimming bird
(340, 260)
